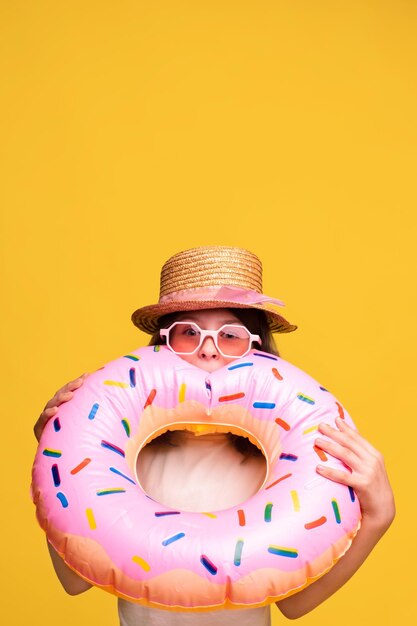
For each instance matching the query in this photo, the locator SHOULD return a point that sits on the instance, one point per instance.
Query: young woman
(211, 311)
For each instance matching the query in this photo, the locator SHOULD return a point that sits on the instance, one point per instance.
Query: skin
(365, 473)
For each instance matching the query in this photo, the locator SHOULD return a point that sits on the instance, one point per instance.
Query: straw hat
(213, 277)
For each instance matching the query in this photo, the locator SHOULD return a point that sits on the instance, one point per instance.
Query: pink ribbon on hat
(225, 293)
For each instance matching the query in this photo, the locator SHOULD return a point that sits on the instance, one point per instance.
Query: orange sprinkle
(81, 466)
(341, 411)
(276, 373)
(241, 516)
(150, 398)
(233, 396)
(283, 424)
(321, 454)
(278, 481)
(317, 522)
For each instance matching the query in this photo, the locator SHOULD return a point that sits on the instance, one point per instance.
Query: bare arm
(369, 479)
(72, 583)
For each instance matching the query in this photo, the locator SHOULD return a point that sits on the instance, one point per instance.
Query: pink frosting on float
(108, 530)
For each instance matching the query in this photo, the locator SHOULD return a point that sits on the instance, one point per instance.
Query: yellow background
(132, 130)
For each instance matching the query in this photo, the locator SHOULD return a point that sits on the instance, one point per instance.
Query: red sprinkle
(234, 396)
(278, 481)
(81, 466)
(341, 411)
(150, 398)
(283, 424)
(276, 373)
(241, 516)
(317, 522)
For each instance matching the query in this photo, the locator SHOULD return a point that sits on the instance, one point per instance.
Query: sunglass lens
(184, 337)
(233, 340)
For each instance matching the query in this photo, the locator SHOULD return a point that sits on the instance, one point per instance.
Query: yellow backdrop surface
(132, 130)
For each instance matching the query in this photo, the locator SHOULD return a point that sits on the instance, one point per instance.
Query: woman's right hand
(51, 408)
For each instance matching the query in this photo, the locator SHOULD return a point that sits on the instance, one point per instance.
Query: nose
(208, 349)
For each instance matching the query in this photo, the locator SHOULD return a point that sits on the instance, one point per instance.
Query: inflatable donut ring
(107, 529)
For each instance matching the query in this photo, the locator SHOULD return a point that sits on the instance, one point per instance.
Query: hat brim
(146, 318)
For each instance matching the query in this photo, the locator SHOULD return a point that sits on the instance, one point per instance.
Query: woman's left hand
(367, 476)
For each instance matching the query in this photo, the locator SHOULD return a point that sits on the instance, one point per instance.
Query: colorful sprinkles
(304, 398)
(295, 500)
(264, 405)
(167, 542)
(80, 466)
(341, 411)
(55, 475)
(62, 498)
(336, 511)
(181, 394)
(91, 519)
(288, 457)
(164, 513)
(53, 453)
(141, 562)
(235, 367)
(316, 523)
(126, 426)
(237, 559)
(277, 374)
(112, 447)
(132, 377)
(268, 512)
(150, 398)
(119, 473)
(233, 396)
(93, 411)
(110, 492)
(266, 356)
(210, 567)
(287, 552)
(57, 425)
(278, 481)
(115, 383)
(282, 423)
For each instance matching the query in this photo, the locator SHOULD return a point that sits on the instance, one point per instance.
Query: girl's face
(207, 357)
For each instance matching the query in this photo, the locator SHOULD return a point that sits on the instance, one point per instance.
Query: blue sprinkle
(288, 457)
(93, 411)
(323, 389)
(62, 499)
(234, 367)
(116, 471)
(264, 405)
(208, 565)
(266, 356)
(113, 448)
(166, 542)
(163, 513)
(57, 425)
(132, 376)
(55, 475)
(131, 356)
(352, 494)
